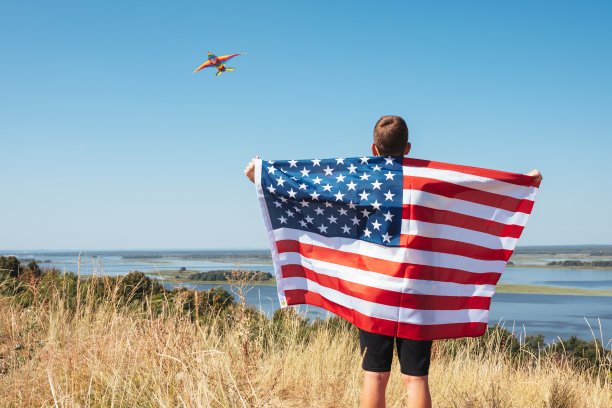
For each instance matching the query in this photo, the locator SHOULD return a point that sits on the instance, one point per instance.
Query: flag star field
(357, 198)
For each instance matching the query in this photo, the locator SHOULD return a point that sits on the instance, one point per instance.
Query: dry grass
(112, 356)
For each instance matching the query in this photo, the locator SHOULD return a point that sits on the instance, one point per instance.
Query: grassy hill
(125, 342)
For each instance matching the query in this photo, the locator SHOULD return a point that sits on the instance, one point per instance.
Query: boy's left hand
(250, 169)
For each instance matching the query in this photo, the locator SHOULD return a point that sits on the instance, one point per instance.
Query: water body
(553, 315)
(600, 279)
(110, 264)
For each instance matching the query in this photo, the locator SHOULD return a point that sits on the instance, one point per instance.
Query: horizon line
(252, 249)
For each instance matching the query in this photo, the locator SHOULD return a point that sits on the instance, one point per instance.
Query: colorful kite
(217, 62)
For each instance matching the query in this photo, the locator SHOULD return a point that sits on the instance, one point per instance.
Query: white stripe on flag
(426, 229)
(438, 202)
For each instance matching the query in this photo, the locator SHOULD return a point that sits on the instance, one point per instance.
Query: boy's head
(390, 137)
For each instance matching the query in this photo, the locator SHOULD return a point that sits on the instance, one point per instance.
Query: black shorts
(377, 352)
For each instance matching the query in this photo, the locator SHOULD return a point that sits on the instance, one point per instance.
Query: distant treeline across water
(222, 275)
(575, 262)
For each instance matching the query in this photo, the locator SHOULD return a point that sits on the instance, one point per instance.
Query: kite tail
(229, 69)
(218, 73)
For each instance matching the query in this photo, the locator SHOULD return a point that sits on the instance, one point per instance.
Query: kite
(397, 246)
(217, 62)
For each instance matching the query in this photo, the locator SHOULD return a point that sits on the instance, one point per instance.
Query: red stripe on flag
(387, 297)
(387, 327)
(512, 178)
(448, 246)
(451, 190)
(389, 268)
(434, 216)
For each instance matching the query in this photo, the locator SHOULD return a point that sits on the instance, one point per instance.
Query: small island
(220, 276)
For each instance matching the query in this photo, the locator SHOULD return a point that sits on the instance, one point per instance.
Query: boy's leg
(417, 391)
(377, 352)
(415, 356)
(374, 386)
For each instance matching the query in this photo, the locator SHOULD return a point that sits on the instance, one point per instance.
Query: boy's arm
(535, 174)
(250, 169)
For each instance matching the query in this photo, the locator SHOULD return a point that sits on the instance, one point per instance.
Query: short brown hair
(391, 136)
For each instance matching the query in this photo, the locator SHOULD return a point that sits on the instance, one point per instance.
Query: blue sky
(108, 141)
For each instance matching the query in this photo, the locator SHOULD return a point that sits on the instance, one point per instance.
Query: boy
(391, 139)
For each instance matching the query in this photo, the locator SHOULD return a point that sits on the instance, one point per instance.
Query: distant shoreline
(500, 288)
(539, 266)
(549, 290)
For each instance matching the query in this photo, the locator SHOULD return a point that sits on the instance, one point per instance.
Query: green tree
(10, 264)
(33, 267)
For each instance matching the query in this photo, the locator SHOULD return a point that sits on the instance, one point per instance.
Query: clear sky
(109, 141)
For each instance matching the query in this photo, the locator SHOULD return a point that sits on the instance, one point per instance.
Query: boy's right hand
(250, 169)
(535, 174)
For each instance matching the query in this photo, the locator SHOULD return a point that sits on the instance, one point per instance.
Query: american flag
(397, 246)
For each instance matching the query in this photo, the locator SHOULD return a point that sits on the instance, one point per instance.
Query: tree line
(574, 262)
(223, 275)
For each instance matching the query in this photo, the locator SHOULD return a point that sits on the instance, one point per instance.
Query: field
(99, 351)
